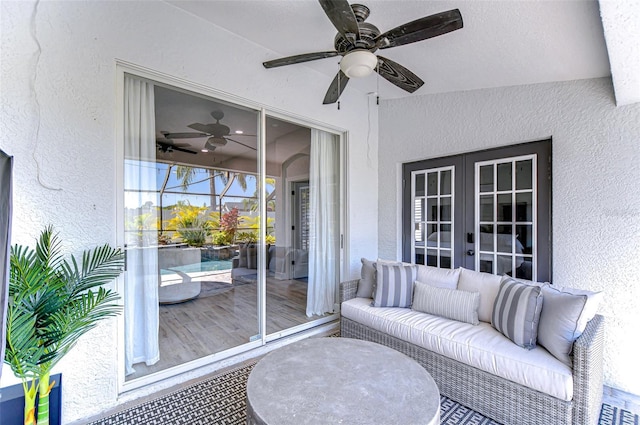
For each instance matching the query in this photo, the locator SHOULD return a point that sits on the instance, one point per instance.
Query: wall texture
(59, 106)
(596, 184)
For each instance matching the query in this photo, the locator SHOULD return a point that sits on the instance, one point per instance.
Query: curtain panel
(324, 198)
(141, 277)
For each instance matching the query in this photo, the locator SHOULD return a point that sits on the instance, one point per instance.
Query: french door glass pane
(504, 176)
(486, 207)
(524, 174)
(445, 182)
(486, 178)
(419, 185)
(445, 208)
(437, 220)
(507, 233)
(432, 184)
(524, 206)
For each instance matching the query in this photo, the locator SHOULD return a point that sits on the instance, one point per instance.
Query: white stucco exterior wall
(596, 184)
(59, 106)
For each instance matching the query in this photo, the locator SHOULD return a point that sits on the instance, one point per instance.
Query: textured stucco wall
(58, 79)
(596, 184)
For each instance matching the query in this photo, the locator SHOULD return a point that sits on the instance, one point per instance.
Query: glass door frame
(122, 68)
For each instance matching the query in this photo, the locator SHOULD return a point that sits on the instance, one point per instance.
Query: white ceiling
(502, 43)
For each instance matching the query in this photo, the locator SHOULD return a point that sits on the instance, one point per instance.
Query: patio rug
(221, 400)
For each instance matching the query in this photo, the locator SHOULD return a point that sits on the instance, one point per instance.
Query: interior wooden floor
(223, 318)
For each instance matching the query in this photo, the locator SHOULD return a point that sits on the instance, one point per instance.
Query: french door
(487, 211)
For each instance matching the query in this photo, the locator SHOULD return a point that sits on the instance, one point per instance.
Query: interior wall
(596, 184)
(59, 106)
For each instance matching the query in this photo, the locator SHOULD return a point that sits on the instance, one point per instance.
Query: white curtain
(141, 278)
(324, 223)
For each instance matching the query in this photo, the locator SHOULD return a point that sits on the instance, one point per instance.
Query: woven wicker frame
(502, 400)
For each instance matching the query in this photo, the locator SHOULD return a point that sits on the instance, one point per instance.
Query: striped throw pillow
(516, 312)
(445, 302)
(394, 285)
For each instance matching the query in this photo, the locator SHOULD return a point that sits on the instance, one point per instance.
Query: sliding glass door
(231, 227)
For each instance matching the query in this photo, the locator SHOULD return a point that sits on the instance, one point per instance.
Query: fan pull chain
(339, 89)
(378, 82)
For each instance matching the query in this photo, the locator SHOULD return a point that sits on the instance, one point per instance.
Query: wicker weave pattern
(495, 397)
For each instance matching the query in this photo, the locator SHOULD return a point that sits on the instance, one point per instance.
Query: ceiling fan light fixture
(209, 147)
(215, 141)
(358, 63)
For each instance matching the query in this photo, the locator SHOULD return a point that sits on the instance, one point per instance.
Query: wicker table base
(340, 380)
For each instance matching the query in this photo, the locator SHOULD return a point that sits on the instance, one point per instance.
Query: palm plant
(52, 303)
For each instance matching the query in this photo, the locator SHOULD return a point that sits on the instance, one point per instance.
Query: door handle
(470, 252)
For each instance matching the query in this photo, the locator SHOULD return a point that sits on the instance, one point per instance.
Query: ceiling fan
(357, 41)
(216, 132)
(166, 145)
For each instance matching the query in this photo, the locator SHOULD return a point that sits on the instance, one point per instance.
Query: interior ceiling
(502, 43)
(175, 110)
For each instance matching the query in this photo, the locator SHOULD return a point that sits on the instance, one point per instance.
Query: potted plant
(52, 303)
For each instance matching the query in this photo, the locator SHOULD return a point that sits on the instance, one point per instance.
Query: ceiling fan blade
(421, 29)
(176, 148)
(203, 128)
(342, 17)
(306, 57)
(168, 147)
(398, 75)
(240, 143)
(336, 88)
(184, 135)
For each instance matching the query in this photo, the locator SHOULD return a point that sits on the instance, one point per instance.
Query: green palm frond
(22, 353)
(54, 301)
(99, 266)
(81, 314)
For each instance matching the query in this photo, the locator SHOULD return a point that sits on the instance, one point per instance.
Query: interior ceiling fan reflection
(217, 133)
(166, 145)
(357, 41)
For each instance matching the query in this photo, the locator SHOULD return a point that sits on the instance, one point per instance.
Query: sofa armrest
(348, 289)
(588, 372)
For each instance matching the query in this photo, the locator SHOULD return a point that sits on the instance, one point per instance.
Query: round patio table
(340, 380)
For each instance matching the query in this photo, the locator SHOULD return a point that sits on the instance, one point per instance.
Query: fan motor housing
(368, 33)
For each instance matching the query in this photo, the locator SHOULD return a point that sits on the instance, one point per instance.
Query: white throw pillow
(441, 278)
(486, 284)
(558, 326)
(591, 307)
(565, 314)
(444, 302)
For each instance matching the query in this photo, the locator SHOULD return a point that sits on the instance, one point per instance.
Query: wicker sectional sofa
(498, 398)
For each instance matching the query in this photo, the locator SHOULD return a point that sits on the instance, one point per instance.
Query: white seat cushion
(479, 346)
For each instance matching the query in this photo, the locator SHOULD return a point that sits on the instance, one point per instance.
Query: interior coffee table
(340, 380)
